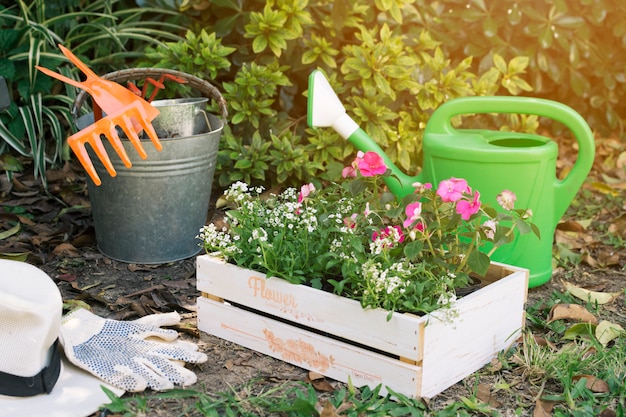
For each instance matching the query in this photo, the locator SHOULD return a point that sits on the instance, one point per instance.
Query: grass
(551, 361)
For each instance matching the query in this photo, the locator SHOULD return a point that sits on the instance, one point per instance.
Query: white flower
(490, 228)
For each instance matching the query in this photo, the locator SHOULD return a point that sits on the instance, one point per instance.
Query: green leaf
(413, 249)
(490, 27)
(500, 64)
(259, 44)
(518, 65)
(579, 331)
(478, 262)
(243, 164)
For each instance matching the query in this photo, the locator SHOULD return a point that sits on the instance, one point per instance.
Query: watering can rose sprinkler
(490, 161)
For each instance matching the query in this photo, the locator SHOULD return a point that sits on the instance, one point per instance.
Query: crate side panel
(332, 358)
(489, 321)
(313, 308)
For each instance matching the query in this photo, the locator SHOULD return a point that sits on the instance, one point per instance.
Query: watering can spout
(326, 110)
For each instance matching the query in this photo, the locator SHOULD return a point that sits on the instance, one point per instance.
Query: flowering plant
(358, 240)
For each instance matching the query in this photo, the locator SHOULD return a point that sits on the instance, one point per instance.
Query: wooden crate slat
(429, 353)
(311, 308)
(490, 322)
(300, 347)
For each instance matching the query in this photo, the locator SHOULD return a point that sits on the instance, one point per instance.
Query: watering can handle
(564, 190)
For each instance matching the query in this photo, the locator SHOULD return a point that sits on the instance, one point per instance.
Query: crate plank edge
(334, 336)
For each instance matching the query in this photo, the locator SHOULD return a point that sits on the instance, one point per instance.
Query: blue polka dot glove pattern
(130, 355)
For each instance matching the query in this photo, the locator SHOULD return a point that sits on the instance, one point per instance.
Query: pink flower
(506, 199)
(419, 187)
(371, 164)
(452, 189)
(350, 222)
(305, 191)
(467, 208)
(395, 232)
(413, 212)
(348, 171)
(367, 211)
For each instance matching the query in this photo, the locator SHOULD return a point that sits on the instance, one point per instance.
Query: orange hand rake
(124, 109)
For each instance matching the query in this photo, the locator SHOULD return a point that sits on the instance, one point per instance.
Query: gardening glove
(130, 355)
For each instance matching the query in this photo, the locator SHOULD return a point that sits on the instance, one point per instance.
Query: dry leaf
(592, 383)
(591, 296)
(329, 410)
(618, 226)
(543, 408)
(604, 188)
(10, 232)
(345, 407)
(66, 249)
(314, 376)
(541, 341)
(495, 365)
(484, 394)
(607, 412)
(589, 260)
(67, 277)
(321, 384)
(571, 312)
(571, 240)
(607, 331)
(608, 257)
(142, 267)
(571, 226)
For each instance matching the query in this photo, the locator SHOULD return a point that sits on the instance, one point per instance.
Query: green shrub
(576, 48)
(105, 34)
(387, 69)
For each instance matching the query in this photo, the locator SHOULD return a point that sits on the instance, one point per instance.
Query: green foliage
(390, 61)
(388, 70)
(575, 49)
(105, 34)
(203, 55)
(357, 238)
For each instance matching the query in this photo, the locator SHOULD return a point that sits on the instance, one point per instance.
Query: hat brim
(77, 393)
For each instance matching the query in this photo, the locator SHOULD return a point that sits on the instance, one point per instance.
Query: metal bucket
(151, 213)
(179, 116)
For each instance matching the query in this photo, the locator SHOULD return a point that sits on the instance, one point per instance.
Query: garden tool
(123, 108)
(491, 161)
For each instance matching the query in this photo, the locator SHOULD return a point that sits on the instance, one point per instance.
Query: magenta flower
(467, 208)
(371, 164)
(506, 199)
(305, 191)
(350, 222)
(413, 212)
(395, 232)
(452, 189)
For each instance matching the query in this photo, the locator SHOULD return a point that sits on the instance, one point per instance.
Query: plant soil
(56, 234)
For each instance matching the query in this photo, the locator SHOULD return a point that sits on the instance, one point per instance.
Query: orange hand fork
(123, 108)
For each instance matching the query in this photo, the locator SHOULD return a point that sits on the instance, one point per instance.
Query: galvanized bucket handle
(123, 76)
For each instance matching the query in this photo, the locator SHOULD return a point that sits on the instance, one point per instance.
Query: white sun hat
(35, 378)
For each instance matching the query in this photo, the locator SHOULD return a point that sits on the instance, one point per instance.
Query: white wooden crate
(336, 337)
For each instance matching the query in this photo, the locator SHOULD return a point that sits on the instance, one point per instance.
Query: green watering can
(490, 161)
